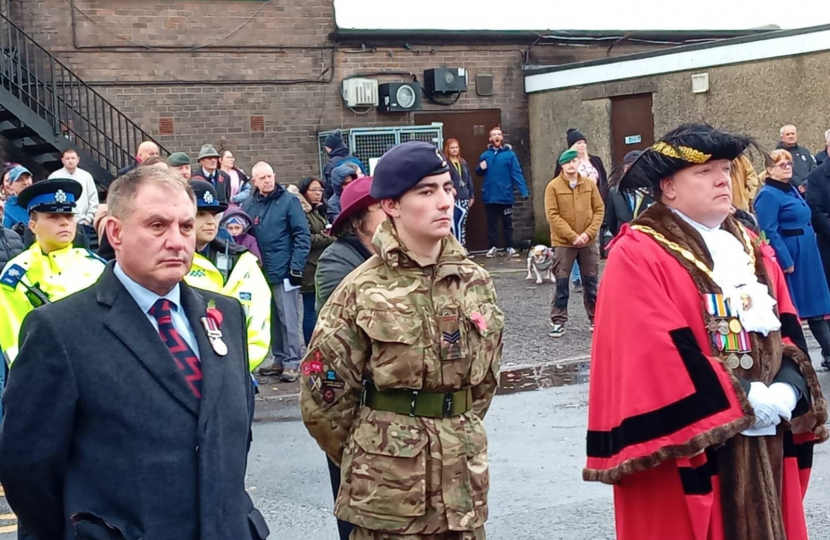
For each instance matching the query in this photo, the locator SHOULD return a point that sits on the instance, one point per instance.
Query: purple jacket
(245, 239)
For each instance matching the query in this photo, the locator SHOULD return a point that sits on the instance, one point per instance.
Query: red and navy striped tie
(186, 359)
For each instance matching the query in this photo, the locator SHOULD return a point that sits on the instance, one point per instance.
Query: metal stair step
(39, 148)
(18, 133)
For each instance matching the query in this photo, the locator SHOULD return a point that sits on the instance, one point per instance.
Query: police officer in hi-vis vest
(51, 268)
(227, 268)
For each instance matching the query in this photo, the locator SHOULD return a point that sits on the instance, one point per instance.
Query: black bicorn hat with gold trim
(682, 147)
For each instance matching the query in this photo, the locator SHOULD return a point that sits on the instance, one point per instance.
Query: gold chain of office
(689, 256)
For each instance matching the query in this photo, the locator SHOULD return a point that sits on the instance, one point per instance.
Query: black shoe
(826, 363)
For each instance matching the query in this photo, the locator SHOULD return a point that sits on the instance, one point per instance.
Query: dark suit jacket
(618, 211)
(222, 182)
(818, 197)
(102, 437)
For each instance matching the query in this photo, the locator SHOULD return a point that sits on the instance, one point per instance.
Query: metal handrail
(73, 109)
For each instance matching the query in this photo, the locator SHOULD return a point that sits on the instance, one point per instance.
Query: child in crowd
(238, 224)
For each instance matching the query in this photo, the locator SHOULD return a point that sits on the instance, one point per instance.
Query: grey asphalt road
(536, 457)
(536, 448)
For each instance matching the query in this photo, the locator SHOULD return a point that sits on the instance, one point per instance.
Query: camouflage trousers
(360, 533)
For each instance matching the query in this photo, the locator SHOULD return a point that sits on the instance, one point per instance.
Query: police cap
(207, 200)
(401, 168)
(56, 196)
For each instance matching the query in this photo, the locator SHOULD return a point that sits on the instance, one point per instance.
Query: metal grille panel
(368, 143)
(372, 145)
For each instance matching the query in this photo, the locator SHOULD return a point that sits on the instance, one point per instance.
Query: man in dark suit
(129, 408)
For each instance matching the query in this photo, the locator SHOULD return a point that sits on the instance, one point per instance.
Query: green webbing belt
(418, 403)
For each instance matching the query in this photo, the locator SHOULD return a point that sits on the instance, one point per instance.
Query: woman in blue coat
(784, 216)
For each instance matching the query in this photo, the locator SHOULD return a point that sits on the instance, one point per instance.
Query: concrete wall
(755, 99)
(551, 114)
(274, 60)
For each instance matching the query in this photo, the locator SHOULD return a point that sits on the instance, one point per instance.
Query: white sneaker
(512, 252)
(491, 253)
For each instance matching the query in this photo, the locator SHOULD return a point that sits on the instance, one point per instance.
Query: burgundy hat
(354, 199)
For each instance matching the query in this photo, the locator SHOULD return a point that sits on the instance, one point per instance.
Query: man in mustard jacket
(49, 270)
(227, 268)
(574, 209)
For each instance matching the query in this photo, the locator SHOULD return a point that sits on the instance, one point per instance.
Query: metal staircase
(45, 109)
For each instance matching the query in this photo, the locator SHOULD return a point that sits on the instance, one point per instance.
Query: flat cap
(401, 168)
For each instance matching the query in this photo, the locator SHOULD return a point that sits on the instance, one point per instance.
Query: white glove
(765, 404)
(784, 397)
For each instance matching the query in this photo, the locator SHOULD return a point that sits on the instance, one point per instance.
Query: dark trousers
(820, 327)
(309, 315)
(563, 261)
(496, 213)
(344, 528)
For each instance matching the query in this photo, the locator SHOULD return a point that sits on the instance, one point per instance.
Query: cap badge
(441, 157)
(60, 196)
(207, 197)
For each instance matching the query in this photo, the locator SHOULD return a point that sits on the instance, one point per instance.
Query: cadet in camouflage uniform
(403, 365)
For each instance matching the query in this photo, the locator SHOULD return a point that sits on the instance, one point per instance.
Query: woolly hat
(334, 140)
(574, 136)
(682, 147)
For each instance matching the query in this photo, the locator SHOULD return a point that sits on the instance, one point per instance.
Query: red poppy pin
(763, 245)
(479, 320)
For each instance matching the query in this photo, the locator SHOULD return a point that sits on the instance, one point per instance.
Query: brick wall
(212, 64)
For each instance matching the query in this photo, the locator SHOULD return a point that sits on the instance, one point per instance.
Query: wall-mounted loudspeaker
(484, 84)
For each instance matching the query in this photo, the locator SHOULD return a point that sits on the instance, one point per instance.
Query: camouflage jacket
(406, 324)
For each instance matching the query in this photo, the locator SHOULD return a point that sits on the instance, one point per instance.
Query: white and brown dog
(540, 261)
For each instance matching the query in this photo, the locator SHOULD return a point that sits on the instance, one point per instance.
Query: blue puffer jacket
(14, 214)
(281, 231)
(337, 157)
(502, 173)
(338, 176)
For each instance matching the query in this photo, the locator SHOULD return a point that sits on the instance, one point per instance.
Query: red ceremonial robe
(664, 411)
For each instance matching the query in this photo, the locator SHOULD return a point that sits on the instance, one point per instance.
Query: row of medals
(721, 330)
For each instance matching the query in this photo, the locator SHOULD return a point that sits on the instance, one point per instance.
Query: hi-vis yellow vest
(247, 284)
(57, 274)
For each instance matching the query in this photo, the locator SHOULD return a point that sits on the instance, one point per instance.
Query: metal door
(632, 125)
(471, 128)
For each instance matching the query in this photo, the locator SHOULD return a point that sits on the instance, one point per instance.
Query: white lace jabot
(734, 274)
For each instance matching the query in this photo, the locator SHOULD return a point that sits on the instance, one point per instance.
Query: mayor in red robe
(703, 405)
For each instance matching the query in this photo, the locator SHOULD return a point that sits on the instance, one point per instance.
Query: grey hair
(124, 190)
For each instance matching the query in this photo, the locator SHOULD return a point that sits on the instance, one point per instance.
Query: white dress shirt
(145, 299)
